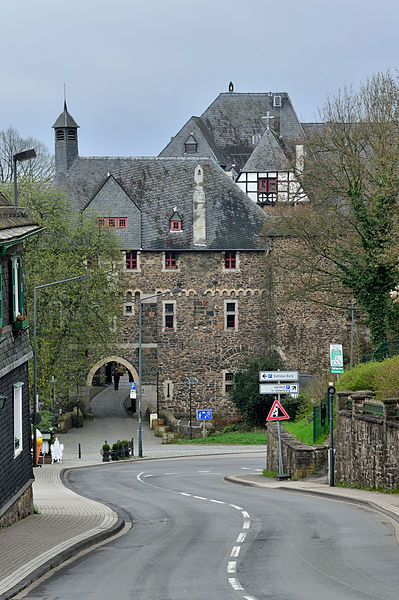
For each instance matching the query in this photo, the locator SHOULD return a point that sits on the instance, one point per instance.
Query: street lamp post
(35, 398)
(20, 157)
(155, 370)
(140, 419)
(190, 381)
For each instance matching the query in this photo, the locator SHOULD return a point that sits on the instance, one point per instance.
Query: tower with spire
(65, 141)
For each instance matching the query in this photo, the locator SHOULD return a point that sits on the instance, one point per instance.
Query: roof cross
(268, 117)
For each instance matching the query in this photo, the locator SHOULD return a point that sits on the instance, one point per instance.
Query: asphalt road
(197, 537)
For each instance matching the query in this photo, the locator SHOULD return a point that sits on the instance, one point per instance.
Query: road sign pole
(331, 392)
(280, 452)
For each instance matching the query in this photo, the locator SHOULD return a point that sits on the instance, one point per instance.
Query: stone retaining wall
(299, 459)
(19, 507)
(366, 445)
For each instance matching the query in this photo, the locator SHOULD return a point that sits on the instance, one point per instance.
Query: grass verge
(367, 489)
(239, 438)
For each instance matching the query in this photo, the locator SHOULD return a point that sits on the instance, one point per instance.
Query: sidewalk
(387, 504)
(68, 523)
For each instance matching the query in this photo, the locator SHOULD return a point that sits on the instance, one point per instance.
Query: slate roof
(155, 186)
(230, 123)
(15, 223)
(65, 119)
(271, 154)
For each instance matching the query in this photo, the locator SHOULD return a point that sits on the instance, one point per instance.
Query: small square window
(170, 260)
(175, 225)
(129, 308)
(122, 223)
(230, 307)
(111, 222)
(101, 222)
(229, 377)
(230, 321)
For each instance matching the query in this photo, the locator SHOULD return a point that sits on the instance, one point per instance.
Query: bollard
(79, 451)
(123, 450)
(132, 446)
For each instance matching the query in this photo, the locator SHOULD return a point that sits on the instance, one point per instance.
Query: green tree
(245, 390)
(346, 236)
(76, 321)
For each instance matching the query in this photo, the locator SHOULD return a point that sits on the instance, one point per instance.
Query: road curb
(61, 557)
(361, 502)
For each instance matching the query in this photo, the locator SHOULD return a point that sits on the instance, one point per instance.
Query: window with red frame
(170, 260)
(122, 223)
(131, 260)
(101, 222)
(111, 222)
(169, 316)
(267, 185)
(230, 259)
(175, 225)
(231, 314)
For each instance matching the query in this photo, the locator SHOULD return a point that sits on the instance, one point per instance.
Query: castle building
(184, 223)
(257, 138)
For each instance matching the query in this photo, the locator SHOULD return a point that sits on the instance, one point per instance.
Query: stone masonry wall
(200, 346)
(366, 446)
(303, 330)
(299, 460)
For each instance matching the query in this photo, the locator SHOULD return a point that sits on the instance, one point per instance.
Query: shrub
(361, 377)
(387, 378)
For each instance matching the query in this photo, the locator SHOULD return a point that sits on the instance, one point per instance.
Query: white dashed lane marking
(235, 584)
(235, 551)
(231, 566)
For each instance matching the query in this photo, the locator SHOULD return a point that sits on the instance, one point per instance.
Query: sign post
(336, 358)
(277, 413)
(331, 392)
(204, 415)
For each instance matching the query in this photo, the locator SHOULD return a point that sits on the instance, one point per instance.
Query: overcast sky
(136, 70)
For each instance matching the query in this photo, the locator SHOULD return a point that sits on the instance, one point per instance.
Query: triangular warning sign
(277, 413)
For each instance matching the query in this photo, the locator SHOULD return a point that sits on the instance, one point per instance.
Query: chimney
(299, 159)
(199, 224)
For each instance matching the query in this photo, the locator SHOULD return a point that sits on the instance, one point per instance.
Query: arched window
(71, 135)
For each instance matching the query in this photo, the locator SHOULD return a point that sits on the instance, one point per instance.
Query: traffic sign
(278, 376)
(337, 369)
(277, 413)
(278, 388)
(204, 415)
(132, 386)
(336, 355)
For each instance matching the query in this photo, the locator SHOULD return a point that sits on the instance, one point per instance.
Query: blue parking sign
(132, 386)
(204, 415)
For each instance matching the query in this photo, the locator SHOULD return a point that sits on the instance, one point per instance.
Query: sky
(136, 70)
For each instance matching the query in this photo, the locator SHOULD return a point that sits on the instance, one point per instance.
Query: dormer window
(175, 221)
(175, 225)
(191, 146)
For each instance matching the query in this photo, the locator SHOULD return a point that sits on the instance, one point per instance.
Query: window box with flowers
(21, 322)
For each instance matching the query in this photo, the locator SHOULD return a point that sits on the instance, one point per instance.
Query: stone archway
(107, 359)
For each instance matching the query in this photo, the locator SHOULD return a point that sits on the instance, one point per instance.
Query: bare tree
(39, 168)
(347, 235)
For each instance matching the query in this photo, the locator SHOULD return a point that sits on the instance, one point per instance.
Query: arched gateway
(109, 359)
